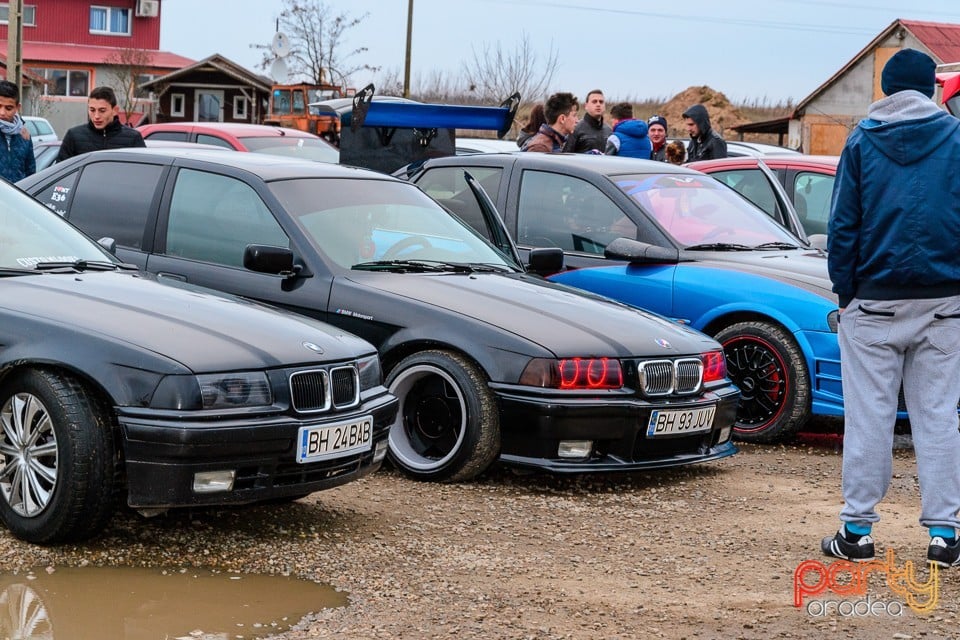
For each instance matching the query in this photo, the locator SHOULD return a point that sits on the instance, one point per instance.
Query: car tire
(766, 363)
(57, 433)
(448, 426)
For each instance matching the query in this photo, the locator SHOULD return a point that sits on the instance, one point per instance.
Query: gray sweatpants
(884, 343)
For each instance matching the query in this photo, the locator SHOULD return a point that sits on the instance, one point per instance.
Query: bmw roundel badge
(313, 347)
(663, 343)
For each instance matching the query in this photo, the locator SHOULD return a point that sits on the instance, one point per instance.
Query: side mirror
(818, 241)
(641, 252)
(545, 261)
(268, 259)
(109, 244)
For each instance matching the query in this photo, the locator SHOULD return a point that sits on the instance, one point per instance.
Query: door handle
(171, 276)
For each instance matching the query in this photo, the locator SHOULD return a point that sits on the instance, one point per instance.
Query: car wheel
(57, 452)
(448, 426)
(766, 364)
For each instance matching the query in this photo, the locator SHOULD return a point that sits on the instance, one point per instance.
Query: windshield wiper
(777, 245)
(11, 271)
(84, 265)
(718, 246)
(431, 266)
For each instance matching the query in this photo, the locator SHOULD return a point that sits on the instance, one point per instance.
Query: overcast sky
(765, 50)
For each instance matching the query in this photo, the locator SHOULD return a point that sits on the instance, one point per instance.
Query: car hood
(565, 321)
(194, 326)
(806, 269)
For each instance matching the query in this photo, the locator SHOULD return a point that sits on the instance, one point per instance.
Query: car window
(32, 127)
(39, 127)
(204, 138)
(293, 147)
(213, 218)
(113, 199)
(177, 136)
(754, 186)
(58, 195)
(448, 186)
(812, 193)
(563, 211)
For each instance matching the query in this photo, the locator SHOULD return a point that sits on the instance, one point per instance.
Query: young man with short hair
(16, 152)
(102, 129)
(591, 133)
(560, 110)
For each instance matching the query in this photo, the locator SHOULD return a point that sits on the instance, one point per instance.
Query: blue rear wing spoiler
(386, 135)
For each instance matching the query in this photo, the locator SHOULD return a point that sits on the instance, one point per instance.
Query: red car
(256, 138)
(793, 190)
(950, 81)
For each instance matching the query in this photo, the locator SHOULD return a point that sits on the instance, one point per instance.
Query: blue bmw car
(679, 243)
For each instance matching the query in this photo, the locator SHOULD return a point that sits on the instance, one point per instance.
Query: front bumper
(532, 427)
(162, 455)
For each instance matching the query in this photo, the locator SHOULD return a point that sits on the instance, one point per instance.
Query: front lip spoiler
(608, 464)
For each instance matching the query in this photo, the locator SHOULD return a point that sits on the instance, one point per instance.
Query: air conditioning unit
(148, 8)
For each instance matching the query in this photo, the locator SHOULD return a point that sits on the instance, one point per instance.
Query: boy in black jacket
(102, 130)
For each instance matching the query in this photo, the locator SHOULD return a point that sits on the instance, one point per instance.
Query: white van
(40, 129)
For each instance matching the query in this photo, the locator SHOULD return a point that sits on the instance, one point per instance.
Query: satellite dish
(280, 45)
(278, 70)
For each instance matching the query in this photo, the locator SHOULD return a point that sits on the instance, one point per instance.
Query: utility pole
(14, 38)
(406, 61)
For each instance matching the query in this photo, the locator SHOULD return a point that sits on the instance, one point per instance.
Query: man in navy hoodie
(895, 267)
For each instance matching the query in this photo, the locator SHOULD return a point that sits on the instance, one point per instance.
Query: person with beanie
(657, 130)
(895, 268)
(629, 137)
(591, 133)
(705, 143)
(16, 155)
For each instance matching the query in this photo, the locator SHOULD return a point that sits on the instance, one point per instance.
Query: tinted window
(812, 193)
(208, 139)
(213, 218)
(113, 199)
(59, 194)
(448, 186)
(178, 136)
(754, 186)
(562, 211)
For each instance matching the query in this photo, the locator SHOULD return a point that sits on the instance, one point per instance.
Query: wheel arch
(718, 322)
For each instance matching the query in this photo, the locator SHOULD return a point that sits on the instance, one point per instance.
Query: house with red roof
(822, 121)
(70, 46)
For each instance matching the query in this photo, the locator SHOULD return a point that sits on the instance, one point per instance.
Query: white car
(40, 129)
(467, 146)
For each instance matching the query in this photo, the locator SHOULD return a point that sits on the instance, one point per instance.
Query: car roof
(610, 165)
(237, 129)
(772, 161)
(267, 167)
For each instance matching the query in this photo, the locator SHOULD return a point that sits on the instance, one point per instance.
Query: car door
(208, 219)
(111, 199)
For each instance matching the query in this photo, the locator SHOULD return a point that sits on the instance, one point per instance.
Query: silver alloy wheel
(28, 447)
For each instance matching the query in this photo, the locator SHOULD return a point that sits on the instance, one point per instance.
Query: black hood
(698, 113)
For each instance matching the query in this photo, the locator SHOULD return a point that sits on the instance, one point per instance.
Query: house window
(177, 100)
(28, 19)
(240, 108)
(110, 20)
(65, 82)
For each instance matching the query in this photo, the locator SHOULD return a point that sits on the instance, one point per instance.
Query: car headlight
(213, 391)
(833, 320)
(370, 373)
(573, 373)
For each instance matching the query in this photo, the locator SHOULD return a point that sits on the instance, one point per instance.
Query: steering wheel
(410, 241)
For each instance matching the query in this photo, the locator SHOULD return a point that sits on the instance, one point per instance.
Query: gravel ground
(706, 551)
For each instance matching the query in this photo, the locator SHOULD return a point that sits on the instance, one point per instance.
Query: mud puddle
(146, 604)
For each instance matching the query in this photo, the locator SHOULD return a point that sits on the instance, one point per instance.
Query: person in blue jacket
(894, 264)
(16, 152)
(629, 137)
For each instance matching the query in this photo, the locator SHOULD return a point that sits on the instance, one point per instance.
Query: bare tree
(495, 72)
(316, 38)
(129, 67)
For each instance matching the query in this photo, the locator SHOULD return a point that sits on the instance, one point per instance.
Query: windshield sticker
(34, 261)
(353, 314)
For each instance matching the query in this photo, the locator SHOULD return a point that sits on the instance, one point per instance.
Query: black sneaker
(838, 546)
(942, 553)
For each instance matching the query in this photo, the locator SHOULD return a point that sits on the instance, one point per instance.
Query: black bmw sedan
(486, 360)
(114, 382)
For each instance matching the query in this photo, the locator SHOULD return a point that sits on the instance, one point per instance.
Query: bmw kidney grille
(663, 377)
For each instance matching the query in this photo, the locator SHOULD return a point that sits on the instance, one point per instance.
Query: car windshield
(698, 210)
(31, 234)
(363, 221)
(294, 147)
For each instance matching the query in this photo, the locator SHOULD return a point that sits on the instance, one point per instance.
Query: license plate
(680, 421)
(335, 440)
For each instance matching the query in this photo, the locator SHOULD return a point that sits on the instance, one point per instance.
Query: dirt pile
(723, 114)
